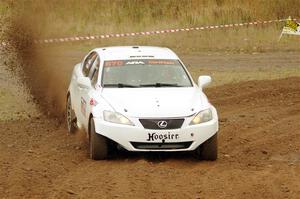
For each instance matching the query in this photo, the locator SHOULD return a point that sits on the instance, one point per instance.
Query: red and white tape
(133, 34)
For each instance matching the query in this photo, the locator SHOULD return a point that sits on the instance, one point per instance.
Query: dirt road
(259, 154)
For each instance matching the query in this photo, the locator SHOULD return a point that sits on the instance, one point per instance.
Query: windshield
(144, 73)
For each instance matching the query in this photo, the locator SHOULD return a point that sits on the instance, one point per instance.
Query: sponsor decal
(161, 62)
(162, 136)
(137, 62)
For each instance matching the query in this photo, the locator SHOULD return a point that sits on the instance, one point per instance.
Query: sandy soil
(259, 154)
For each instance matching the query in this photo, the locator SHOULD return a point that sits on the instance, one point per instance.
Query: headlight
(202, 116)
(117, 118)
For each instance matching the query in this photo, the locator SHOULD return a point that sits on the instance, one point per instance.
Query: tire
(98, 144)
(71, 117)
(209, 149)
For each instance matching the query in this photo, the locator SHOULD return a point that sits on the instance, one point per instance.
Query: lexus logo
(162, 124)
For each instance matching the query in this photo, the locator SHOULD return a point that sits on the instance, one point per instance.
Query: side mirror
(84, 82)
(203, 81)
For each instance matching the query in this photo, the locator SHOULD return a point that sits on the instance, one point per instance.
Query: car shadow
(153, 157)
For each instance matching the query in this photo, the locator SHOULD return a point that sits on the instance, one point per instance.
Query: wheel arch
(69, 95)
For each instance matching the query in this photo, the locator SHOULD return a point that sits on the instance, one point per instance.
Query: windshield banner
(140, 62)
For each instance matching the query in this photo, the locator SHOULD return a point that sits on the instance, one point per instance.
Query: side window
(88, 62)
(94, 73)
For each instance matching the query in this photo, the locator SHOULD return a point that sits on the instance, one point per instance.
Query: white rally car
(141, 99)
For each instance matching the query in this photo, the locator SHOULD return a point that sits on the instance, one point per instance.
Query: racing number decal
(83, 106)
(113, 63)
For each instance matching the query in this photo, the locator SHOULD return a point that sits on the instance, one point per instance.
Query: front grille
(153, 123)
(159, 146)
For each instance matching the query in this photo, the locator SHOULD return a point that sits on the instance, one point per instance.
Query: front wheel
(209, 149)
(98, 144)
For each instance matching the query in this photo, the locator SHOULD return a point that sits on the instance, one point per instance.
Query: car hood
(156, 102)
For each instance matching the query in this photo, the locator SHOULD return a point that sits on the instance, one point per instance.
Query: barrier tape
(105, 36)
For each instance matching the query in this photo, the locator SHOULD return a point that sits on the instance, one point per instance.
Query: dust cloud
(39, 67)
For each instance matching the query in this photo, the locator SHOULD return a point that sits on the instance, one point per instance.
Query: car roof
(135, 52)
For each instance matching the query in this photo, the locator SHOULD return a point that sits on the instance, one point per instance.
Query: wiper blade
(160, 85)
(120, 85)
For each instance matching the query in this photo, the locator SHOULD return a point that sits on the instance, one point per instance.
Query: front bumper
(137, 138)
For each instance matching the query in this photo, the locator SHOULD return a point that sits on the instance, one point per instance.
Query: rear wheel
(71, 118)
(98, 143)
(209, 149)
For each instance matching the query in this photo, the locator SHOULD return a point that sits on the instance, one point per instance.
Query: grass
(54, 19)
(91, 16)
